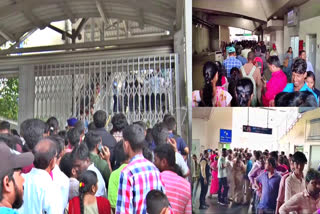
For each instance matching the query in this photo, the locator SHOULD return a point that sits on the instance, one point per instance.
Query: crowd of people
(252, 75)
(270, 182)
(131, 169)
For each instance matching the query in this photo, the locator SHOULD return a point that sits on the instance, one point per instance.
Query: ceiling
(17, 17)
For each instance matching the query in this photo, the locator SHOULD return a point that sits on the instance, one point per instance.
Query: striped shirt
(178, 191)
(136, 180)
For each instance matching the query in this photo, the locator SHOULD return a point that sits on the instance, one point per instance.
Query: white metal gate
(143, 88)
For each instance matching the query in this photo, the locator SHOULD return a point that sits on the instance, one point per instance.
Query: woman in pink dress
(214, 181)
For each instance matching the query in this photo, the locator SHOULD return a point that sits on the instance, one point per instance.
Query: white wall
(200, 39)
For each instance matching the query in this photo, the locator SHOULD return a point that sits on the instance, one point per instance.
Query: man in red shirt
(276, 84)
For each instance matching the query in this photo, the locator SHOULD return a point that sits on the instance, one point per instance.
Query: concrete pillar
(26, 93)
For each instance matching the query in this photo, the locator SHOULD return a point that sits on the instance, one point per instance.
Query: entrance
(311, 55)
(314, 157)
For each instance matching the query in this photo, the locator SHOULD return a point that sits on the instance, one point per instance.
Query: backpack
(254, 101)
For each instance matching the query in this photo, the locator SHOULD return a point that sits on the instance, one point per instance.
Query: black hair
(92, 140)
(10, 176)
(156, 201)
(100, 119)
(64, 135)
(134, 134)
(166, 116)
(60, 144)
(7, 139)
(301, 52)
(81, 152)
(53, 125)
(296, 99)
(205, 152)
(73, 137)
(244, 91)
(311, 74)
(32, 131)
(170, 123)
(299, 158)
(141, 123)
(79, 126)
(91, 126)
(166, 151)
(149, 137)
(119, 122)
(235, 77)
(274, 154)
(89, 179)
(312, 174)
(4, 125)
(299, 66)
(221, 73)
(66, 164)
(274, 60)
(209, 71)
(272, 162)
(257, 155)
(121, 155)
(160, 133)
(14, 132)
(43, 157)
(147, 153)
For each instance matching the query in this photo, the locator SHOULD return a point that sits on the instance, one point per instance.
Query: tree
(9, 96)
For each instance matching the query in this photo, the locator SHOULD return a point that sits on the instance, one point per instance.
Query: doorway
(314, 157)
(312, 51)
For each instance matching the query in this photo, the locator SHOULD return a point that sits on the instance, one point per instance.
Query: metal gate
(143, 88)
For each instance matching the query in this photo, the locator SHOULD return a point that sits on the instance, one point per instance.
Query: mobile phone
(100, 147)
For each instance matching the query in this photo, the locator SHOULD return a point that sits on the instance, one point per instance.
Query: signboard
(258, 130)
(225, 136)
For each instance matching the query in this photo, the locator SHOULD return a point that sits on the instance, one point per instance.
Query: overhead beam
(130, 42)
(7, 35)
(27, 12)
(60, 31)
(22, 39)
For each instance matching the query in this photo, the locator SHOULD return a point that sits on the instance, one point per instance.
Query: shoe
(203, 207)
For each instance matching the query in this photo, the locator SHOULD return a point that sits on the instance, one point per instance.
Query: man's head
(251, 56)
(231, 51)
(66, 166)
(157, 202)
(60, 145)
(73, 137)
(119, 122)
(32, 130)
(79, 126)
(164, 157)
(313, 182)
(4, 127)
(133, 137)
(80, 158)
(274, 63)
(160, 133)
(93, 141)
(11, 180)
(299, 161)
(100, 119)
(299, 72)
(72, 122)
(270, 164)
(121, 156)
(303, 55)
(224, 152)
(45, 155)
(170, 123)
(274, 154)
(206, 154)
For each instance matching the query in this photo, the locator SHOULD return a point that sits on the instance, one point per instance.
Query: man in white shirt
(59, 178)
(81, 162)
(295, 182)
(303, 55)
(41, 194)
(222, 176)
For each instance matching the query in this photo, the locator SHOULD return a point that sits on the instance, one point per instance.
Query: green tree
(9, 95)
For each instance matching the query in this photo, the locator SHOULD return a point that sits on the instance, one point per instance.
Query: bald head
(44, 154)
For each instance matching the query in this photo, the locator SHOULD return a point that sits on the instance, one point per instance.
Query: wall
(297, 135)
(200, 39)
(208, 131)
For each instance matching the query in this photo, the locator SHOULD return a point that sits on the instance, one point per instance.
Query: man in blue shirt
(11, 183)
(268, 182)
(232, 61)
(299, 74)
(241, 58)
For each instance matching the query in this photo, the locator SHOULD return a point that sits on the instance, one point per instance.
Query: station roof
(17, 17)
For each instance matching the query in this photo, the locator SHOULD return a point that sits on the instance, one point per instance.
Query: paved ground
(216, 208)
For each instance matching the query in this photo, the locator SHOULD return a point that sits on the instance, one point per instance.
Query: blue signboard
(258, 130)
(225, 136)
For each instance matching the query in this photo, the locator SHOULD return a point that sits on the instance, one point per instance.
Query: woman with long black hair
(87, 202)
(212, 94)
